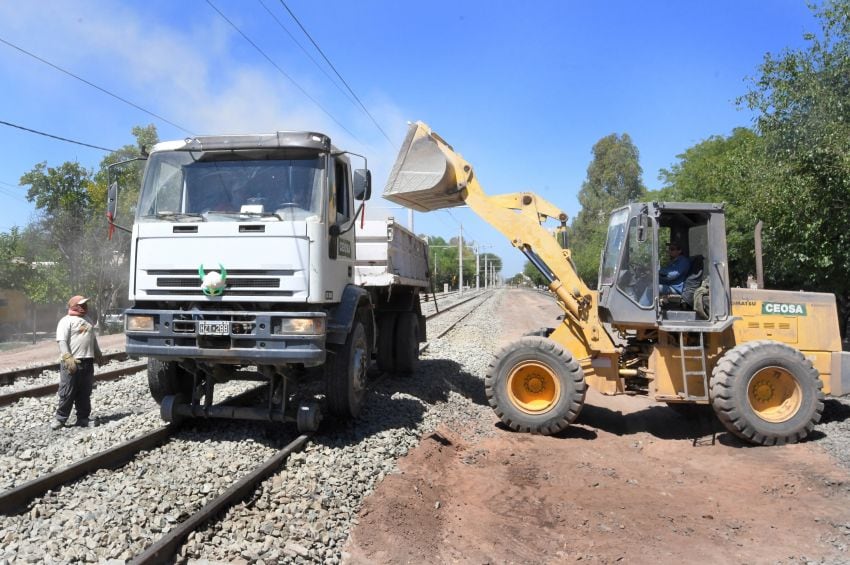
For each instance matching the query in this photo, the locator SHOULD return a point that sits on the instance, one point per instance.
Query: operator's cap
(77, 301)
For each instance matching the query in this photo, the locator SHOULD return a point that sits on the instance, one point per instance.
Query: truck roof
(280, 139)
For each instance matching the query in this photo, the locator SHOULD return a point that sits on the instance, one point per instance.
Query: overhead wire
(112, 94)
(322, 53)
(280, 70)
(307, 53)
(57, 137)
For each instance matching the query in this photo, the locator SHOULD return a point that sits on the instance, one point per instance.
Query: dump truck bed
(389, 254)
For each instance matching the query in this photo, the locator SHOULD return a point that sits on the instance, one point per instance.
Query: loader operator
(672, 276)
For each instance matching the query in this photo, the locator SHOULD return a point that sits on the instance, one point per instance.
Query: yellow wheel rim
(774, 394)
(533, 387)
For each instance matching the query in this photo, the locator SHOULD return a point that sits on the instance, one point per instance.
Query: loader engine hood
(221, 261)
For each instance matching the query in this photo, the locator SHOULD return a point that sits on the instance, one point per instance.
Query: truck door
(341, 228)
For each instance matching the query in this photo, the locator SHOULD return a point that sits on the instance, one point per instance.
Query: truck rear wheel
(166, 378)
(767, 393)
(345, 373)
(406, 343)
(534, 385)
(386, 342)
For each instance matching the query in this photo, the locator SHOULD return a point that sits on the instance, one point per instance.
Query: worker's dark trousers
(75, 390)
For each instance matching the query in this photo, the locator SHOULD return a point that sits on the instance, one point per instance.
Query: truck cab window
(341, 192)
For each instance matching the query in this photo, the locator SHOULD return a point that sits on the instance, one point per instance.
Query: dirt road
(631, 482)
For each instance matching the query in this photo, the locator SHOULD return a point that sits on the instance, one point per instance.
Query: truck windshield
(230, 186)
(613, 245)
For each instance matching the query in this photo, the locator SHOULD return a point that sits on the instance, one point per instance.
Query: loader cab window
(613, 246)
(635, 276)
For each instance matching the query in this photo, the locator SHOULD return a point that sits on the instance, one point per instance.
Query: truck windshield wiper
(179, 216)
(249, 214)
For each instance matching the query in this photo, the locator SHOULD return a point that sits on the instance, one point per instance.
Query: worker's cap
(674, 245)
(77, 301)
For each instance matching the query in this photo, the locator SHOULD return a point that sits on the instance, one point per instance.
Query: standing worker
(79, 350)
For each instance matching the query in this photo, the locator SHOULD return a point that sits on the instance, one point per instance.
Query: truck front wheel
(345, 373)
(534, 385)
(166, 378)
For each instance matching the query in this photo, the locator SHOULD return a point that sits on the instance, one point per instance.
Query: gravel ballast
(303, 513)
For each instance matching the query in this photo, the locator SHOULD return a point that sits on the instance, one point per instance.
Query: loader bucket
(424, 176)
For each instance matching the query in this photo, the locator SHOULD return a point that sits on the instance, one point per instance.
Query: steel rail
(14, 499)
(451, 326)
(18, 497)
(44, 390)
(164, 549)
(8, 377)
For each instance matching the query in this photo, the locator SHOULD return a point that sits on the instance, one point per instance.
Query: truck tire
(386, 342)
(345, 373)
(166, 378)
(767, 393)
(406, 343)
(534, 385)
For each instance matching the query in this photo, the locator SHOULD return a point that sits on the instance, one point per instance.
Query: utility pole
(460, 262)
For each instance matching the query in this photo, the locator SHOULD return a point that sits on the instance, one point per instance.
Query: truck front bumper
(235, 337)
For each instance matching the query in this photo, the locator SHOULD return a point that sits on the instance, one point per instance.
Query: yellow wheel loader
(762, 359)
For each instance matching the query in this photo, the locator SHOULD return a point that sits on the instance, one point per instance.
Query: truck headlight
(139, 323)
(309, 326)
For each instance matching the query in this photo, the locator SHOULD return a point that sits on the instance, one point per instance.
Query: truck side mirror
(112, 200)
(362, 184)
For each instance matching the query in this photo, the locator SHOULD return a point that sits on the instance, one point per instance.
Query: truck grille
(171, 282)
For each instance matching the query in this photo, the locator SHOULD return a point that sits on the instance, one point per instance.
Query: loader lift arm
(429, 175)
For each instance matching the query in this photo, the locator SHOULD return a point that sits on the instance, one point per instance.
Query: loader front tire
(767, 393)
(534, 385)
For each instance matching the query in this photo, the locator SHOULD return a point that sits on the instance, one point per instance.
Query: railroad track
(16, 500)
(166, 546)
(44, 390)
(9, 377)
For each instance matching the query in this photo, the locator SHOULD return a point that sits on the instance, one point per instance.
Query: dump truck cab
(630, 294)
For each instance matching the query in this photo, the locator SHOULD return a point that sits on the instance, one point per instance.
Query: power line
(281, 71)
(307, 53)
(322, 53)
(124, 100)
(56, 136)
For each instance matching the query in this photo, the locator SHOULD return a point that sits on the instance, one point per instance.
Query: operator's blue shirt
(674, 274)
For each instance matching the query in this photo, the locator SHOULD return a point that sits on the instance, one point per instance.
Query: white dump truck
(251, 259)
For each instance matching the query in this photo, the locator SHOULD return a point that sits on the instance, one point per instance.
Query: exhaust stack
(427, 174)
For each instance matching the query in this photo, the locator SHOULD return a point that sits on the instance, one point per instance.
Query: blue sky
(522, 89)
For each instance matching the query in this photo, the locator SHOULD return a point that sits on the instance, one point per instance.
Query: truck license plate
(214, 328)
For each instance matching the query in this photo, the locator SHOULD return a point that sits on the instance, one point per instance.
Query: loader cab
(630, 291)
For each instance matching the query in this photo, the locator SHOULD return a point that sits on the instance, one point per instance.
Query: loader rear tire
(767, 393)
(166, 378)
(406, 343)
(386, 342)
(345, 373)
(534, 385)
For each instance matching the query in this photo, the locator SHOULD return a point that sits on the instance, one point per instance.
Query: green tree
(802, 98)
(613, 179)
(731, 170)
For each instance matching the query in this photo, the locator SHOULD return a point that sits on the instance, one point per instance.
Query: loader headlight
(304, 326)
(139, 323)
